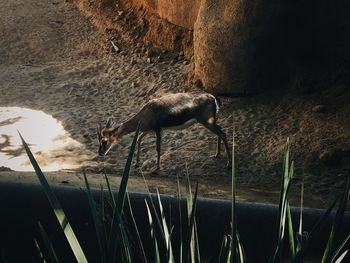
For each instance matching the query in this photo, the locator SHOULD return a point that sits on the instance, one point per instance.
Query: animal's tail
(218, 100)
(217, 103)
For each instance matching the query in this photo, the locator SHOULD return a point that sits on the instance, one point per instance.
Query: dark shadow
(10, 121)
(9, 152)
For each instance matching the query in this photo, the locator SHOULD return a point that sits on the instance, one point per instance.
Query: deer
(173, 111)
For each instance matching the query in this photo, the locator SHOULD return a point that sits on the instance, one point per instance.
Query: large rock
(236, 44)
(247, 46)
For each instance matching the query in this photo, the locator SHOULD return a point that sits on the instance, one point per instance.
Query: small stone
(319, 108)
(120, 13)
(179, 58)
(151, 53)
(185, 62)
(181, 54)
(331, 157)
(115, 47)
(109, 30)
(149, 60)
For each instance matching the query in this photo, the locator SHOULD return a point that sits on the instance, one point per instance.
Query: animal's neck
(129, 126)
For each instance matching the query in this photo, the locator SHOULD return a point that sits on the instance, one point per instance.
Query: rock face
(248, 46)
(243, 47)
(181, 12)
(169, 23)
(232, 39)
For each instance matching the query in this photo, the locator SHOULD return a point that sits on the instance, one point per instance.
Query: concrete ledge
(23, 205)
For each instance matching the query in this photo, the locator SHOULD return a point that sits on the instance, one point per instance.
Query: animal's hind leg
(218, 147)
(216, 129)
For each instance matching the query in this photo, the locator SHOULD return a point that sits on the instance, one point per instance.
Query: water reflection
(52, 146)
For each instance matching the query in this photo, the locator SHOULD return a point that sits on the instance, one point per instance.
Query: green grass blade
(180, 221)
(118, 208)
(336, 222)
(98, 223)
(38, 249)
(233, 203)
(166, 231)
(299, 248)
(153, 236)
(48, 245)
(139, 241)
(125, 245)
(323, 219)
(155, 213)
(191, 242)
(290, 232)
(190, 249)
(102, 218)
(240, 249)
(198, 256)
(224, 250)
(284, 189)
(57, 208)
(342, 256)
(110, 191)
(236, 248)
(342, 245)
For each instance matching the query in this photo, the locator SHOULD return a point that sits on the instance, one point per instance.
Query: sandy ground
(54, 60)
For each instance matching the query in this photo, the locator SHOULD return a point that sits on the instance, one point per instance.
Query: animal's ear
(109, 123)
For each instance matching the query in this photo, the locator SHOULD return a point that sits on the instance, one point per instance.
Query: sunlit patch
(51, 145)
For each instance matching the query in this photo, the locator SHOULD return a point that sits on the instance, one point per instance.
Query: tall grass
(116, 244)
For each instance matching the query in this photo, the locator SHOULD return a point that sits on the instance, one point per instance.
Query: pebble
(319, 108)
(151, 53)
(331, 157)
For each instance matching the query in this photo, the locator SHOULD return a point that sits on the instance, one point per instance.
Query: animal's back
(177, 109)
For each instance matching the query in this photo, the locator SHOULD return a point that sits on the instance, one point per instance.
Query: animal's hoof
(216, 155)
(155, 171)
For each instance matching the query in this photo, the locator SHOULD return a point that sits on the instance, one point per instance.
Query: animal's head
(107, 137)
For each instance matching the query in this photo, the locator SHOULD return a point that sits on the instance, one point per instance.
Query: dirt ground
(54, 59)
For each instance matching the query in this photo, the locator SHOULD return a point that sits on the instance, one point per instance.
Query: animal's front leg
(139, 140)
(159, 142)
